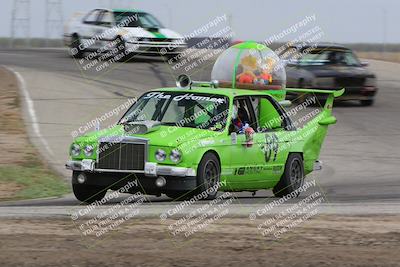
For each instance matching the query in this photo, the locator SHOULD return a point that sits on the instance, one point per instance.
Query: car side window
(243, 115)
(91, 17)
(105, 18)
(351, 59)
(269, 115)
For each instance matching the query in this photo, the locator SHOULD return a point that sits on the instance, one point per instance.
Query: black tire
(173, 58)
(179, 195)
(300, 84)
(208, 175)
(367, 103)
(87, 193)
(121, 47)
(292, 178)
(75, 46)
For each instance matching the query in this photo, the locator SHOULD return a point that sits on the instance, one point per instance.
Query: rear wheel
(300, 84)
(366, 103)
(292, 178)
(75, 47)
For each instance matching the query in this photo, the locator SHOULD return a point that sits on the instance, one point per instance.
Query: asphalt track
(361, 153)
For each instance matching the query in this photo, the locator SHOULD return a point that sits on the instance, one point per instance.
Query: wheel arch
(297, 152)
(212, 151)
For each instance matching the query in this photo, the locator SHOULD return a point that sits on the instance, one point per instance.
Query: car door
(102, 29)
(277, 132)
(89, 29)
(247, 156)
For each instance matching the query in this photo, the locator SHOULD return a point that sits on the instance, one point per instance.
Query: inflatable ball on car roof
(249, 65)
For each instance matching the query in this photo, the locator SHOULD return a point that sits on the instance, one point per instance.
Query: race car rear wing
(329, 100)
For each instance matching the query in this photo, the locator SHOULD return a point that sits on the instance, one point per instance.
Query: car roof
(229, 92)
(320, 45)
(127, 10)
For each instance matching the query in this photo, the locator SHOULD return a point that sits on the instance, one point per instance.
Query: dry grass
(386, 56)
(22, 172)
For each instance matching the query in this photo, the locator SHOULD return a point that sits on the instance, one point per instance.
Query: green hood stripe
(158, 34)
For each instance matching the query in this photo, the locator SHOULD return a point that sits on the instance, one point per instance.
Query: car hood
(151, 33)
(338, 71)
(163, 136)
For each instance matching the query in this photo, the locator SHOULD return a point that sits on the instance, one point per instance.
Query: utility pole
(384, 30)
(20, 20)
(54, 20)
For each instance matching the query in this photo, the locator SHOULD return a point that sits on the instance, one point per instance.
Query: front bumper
(150, 169)
(178, 179)
(156, 47)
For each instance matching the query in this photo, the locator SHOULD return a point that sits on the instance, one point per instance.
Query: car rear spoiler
(329, 100)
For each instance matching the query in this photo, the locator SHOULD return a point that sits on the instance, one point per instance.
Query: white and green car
(124, 30)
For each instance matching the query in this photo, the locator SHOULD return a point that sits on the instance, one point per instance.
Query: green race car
(200, 138)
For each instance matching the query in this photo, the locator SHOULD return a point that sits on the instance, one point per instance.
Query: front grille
(350, 82)
(157, 39)
(121, 156)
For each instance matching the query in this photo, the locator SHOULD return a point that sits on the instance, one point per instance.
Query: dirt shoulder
(384, 56)
(23, 174)
(321, 241)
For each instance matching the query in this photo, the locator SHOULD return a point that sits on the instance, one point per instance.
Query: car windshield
(329, 57)
(137, 19)
(194, 110)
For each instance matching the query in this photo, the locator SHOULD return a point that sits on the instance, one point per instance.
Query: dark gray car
(329, 66)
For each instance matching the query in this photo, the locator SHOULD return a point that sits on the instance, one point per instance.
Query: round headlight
(175, 155)
(75, 150)
(88, 150)
(160, 155)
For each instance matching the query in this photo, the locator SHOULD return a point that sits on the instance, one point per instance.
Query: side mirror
(327, 121)
(364, 63)
(285, 103)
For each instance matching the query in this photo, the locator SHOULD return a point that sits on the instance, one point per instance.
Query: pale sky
(341, 21)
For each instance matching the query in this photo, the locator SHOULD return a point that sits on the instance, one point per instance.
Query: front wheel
(292, 178)
(122, 52)
(208, 176)
(86, 193)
